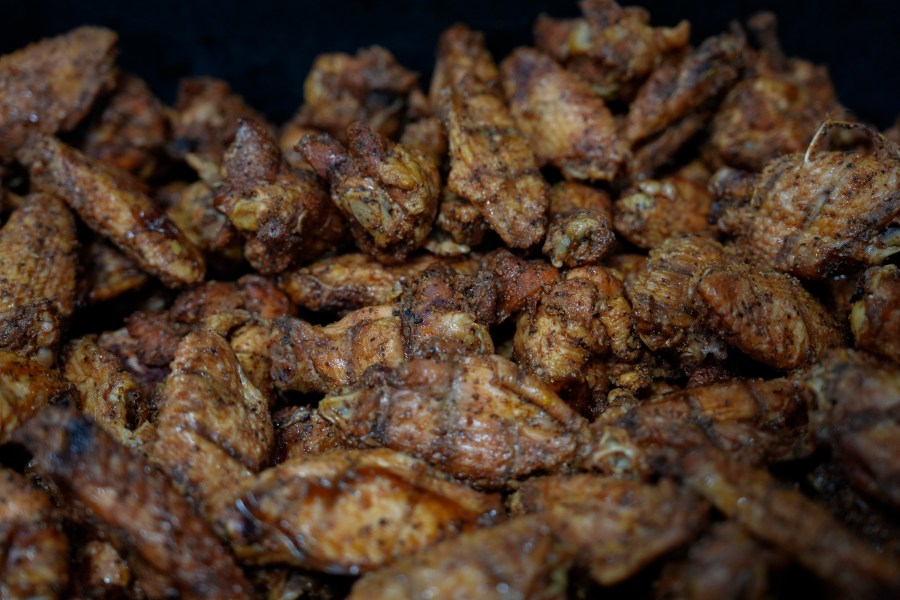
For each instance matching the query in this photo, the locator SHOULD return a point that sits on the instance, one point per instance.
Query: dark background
(264, 48)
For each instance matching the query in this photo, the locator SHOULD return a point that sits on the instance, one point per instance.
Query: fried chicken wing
(173, 551)
(348, 511)
(491, 163)
(479, 418)
(108, 273)
(612, 527)
(284, 213)
(516, 559)
(875, 318)
(816, 214)
(34, 559)
(388, 193)
(654, 210)
(50, 86)
(193, 210)
(566, 122)
(25, 387)
(111, 204)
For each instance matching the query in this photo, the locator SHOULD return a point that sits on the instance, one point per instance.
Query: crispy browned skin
(578, 238)
(856, 407)
(101, 571)
(192, 209)
(766, 314)
(252, 293)
(654, 210)
(25, 387)
(388, 193)
(301, 431)
(131, 131)
(427, 136)
(309, 358)
(773, 111)
(115, 207)
(726, 563)
(458, 228)
(32, 330)
(815, 214)
(614, 528)
(284, 213)
(172, 549)
(214, 426)
(516, 559)
(521, 281)
(107, 393)
(566, 122)
(34, 552)
(662, 149)
(491, 163)
(108, 273)
(875, 318)
(38, 255)
(795, 525)
(479, 418)
(371, 87)
(349, 510)
(612, 47)
(50, 86)
(206, 117)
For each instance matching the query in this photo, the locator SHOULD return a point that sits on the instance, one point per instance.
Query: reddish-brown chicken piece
(388, 193)
(822, 212)
(348, 511)
(301, 431)
(172, 550)
(113, 205)
(206, 118)
(516, 559)
(108, 273)
(458, 228)
(312, 358)
(371, 88)
(25, 387)
(284, 213)
(613, 528)
(34, 551)
(566, 122)
(612, 47)
(773, 111)
(875, 318)
(654, 210)
(491, 163)
(520, 281)
(131, 130)
(767, 315)
(479, 418)
(50, 86)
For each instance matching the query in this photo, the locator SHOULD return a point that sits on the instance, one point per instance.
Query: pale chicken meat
(822, 212)
(491, 163)
(875, 317)
(566, 122)
(25, 387)
(349, 511)
(478, 418)
(283, 213)
(34, 559)
(113, 205)
(388, 193)
(653, 210)
(51, 85)
(172, 549)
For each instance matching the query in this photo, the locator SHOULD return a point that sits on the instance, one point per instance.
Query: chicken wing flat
(173, 551)
(491, 163)
(34, 559)
(312, 358)
(388, 193)
(114, 206)
(108, 273)
(371, 87)
(479, 418)
(875, 318)
(213, 426)
(612, 47)
(516, 559)
(50, 86)
(566, 122)
(284, 213)
(131, 130)
(348, 511)
(612, 527)
(818, 213)
(792, 523)
(766, 314)
(25, 387)
(654, 210)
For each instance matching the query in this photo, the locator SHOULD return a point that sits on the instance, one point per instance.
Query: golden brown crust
(32, 330)
(654, 210)
(875, 318)
(25, 387)
(108, 273)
